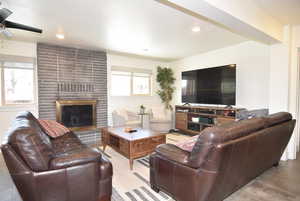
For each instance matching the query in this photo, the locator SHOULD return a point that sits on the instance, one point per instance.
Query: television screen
(210, 85)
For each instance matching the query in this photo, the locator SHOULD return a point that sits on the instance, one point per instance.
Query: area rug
(134, 185)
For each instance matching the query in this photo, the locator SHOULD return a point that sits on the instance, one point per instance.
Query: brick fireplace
(66, 75)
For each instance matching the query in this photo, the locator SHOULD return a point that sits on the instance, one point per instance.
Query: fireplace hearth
(77, 115)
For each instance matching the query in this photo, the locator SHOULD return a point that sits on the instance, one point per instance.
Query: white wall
(284, 82)
(17, 48)
(8, 113)
(132, 102)
(257, 18)
(252, 59)
(293, 104)
(279, 78)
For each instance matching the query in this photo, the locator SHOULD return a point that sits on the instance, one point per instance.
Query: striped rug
(134, 185)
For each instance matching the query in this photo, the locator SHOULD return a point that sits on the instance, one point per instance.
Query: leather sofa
(223, 159)
(61, 169)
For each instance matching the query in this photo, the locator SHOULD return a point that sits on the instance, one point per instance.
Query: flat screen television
(210, 85)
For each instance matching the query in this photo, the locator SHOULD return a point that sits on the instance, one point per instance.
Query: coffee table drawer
(132, 145)
(124, 146)
(158, 140)
(147, 145)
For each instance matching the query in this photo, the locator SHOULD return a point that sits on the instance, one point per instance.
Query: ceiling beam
(241, 17)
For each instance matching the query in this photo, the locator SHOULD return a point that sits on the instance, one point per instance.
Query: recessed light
(196, 29)
(145, 49)
(60, 36)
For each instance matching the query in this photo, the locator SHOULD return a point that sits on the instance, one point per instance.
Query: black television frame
(230, 66)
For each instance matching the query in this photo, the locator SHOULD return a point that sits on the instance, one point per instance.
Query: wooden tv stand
(193, 119)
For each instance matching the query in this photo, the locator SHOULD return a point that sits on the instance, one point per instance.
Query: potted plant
(165, 79)
(142, 109)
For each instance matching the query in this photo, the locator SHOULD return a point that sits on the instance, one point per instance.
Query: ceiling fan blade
(6, 33)
(13, 25)
(4, 13)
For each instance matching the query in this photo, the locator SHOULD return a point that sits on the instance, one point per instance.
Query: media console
(193, 119)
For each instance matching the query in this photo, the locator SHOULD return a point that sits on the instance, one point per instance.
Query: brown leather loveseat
(223, 159)
(61, 169)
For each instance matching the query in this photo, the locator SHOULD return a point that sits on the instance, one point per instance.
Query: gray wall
(85, 70)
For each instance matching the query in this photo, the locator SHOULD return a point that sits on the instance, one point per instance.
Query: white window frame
(130, 85)
(17, 59)
(132, 72)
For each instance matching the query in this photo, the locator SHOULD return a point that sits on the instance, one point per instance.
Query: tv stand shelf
(193, 119)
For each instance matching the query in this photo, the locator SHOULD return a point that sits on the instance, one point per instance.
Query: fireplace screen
(76, 115)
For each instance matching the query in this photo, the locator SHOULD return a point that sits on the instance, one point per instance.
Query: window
(130, 82)
(121, 83)
(17, 80)
(141, 84)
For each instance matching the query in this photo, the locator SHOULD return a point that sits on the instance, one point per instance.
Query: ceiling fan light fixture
(60, 36)
(196, 29)
(5, 24)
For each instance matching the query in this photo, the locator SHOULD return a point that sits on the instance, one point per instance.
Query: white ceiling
(285, 11)
(126, 26)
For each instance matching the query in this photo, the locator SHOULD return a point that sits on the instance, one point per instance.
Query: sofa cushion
(29, 141)
(133, 123)
(172, 152)
(238, 129)
(123, 113)
(28, 115)
(75, 157)
(188, 145)
(210, 137)
(53, 128)
(278, 118)
(64, 144)
(132, 116)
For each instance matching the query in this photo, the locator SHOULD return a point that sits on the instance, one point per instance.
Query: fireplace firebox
(77, 115)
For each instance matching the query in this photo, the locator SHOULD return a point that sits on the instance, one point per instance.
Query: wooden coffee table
(132, 145)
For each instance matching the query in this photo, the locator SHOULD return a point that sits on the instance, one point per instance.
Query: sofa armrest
(174, 153)
(14, 162)
(118, 120)
(79, 157)
(132, 116)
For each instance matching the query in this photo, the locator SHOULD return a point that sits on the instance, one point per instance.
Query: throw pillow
(188, 145)
(53, 128)
(249, 114)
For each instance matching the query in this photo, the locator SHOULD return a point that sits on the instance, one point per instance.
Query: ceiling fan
(5, 24)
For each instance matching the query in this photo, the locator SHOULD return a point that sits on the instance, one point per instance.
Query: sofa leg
(276, 164)
(155, 188)
(105, 198)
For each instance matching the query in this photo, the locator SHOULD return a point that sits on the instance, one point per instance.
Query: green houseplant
(165, 79)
